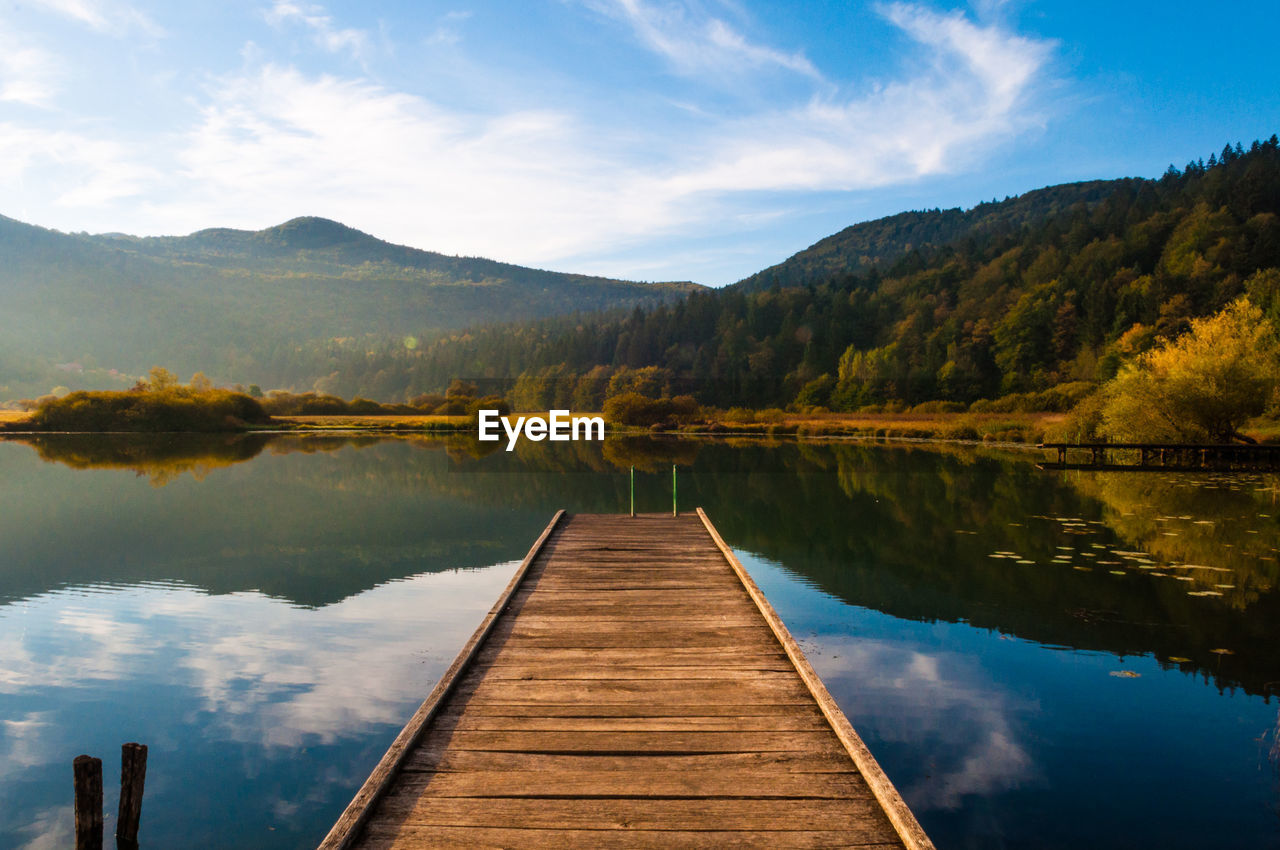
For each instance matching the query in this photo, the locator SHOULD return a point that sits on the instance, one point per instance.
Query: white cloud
(449, 28)
(103, 15)
(27, 74)
(971, 94)
(69, 169)
(324, 32)
(696, 43)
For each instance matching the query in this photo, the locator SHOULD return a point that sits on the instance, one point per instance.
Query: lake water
(1037, 659)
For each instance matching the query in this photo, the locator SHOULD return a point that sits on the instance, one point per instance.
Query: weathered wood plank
(528, 671)
(678, 743)
(642, 691)
(855, 818)
(572, 709)
(477, 722)
(666, 657)
(449, 759)
(481, 838)
(636, 782)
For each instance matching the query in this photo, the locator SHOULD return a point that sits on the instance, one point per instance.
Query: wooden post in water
(88, 783)
(133, 775)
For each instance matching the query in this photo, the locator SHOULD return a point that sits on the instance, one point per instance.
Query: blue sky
(647, 139)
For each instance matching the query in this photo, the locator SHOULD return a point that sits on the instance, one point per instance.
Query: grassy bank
(170, 409)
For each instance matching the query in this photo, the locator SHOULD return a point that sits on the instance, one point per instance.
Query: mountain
(864, 246)
(243, 305)
(1035, 298)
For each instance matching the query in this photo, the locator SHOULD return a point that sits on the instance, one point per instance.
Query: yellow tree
(1200, 387)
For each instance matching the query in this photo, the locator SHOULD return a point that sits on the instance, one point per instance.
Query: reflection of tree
(1221, 523)
(650, 454)
(162, 458)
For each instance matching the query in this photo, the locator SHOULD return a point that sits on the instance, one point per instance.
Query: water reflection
(258, 616)
(1131, 563)
(256, 712)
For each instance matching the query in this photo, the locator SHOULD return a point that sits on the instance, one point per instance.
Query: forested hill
(263, 306)
(1022, 300)
(861, 247)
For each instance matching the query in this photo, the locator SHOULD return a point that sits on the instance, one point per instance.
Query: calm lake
(1037, 659)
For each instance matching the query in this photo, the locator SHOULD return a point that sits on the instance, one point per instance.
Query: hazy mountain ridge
(237, 304)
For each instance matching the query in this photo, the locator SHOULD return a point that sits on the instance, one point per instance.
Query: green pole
(633, 491)
(674, 503)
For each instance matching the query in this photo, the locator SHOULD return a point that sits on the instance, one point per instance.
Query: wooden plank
(675, 656)
(635, 782)
(529, 671)
(476, 721)
(349, 824)
(480, 838)
(448, 759)
(573, 709)
(642, 691)
(855, 818)
(522, 741)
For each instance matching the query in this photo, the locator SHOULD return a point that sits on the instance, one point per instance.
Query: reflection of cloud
(266, 672)
(938, 704)
(21, 743)
(49, 829)
(241, 674)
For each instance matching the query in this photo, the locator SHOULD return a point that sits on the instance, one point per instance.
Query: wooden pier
(1174, 457)
(631, 688)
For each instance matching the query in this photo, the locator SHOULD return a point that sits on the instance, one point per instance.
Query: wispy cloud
(324, 32)
(27, 74)
(71, 169)
(694, 42)
(449, 28)
(103, 15)
(972, 90)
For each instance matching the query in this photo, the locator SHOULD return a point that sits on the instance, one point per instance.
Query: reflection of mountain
(909, 531)
(312, 529)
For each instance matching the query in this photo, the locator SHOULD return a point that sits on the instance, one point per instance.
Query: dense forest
(1038, 297)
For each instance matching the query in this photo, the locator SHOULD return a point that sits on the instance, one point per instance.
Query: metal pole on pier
(633, 491)
(674, 511)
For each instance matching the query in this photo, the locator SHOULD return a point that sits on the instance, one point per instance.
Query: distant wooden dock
(631, 688)
(1174, 457)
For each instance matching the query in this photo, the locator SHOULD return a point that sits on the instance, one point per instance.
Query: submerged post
(88, 783)
(674, 511)
(133, 775)
(633, 491)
